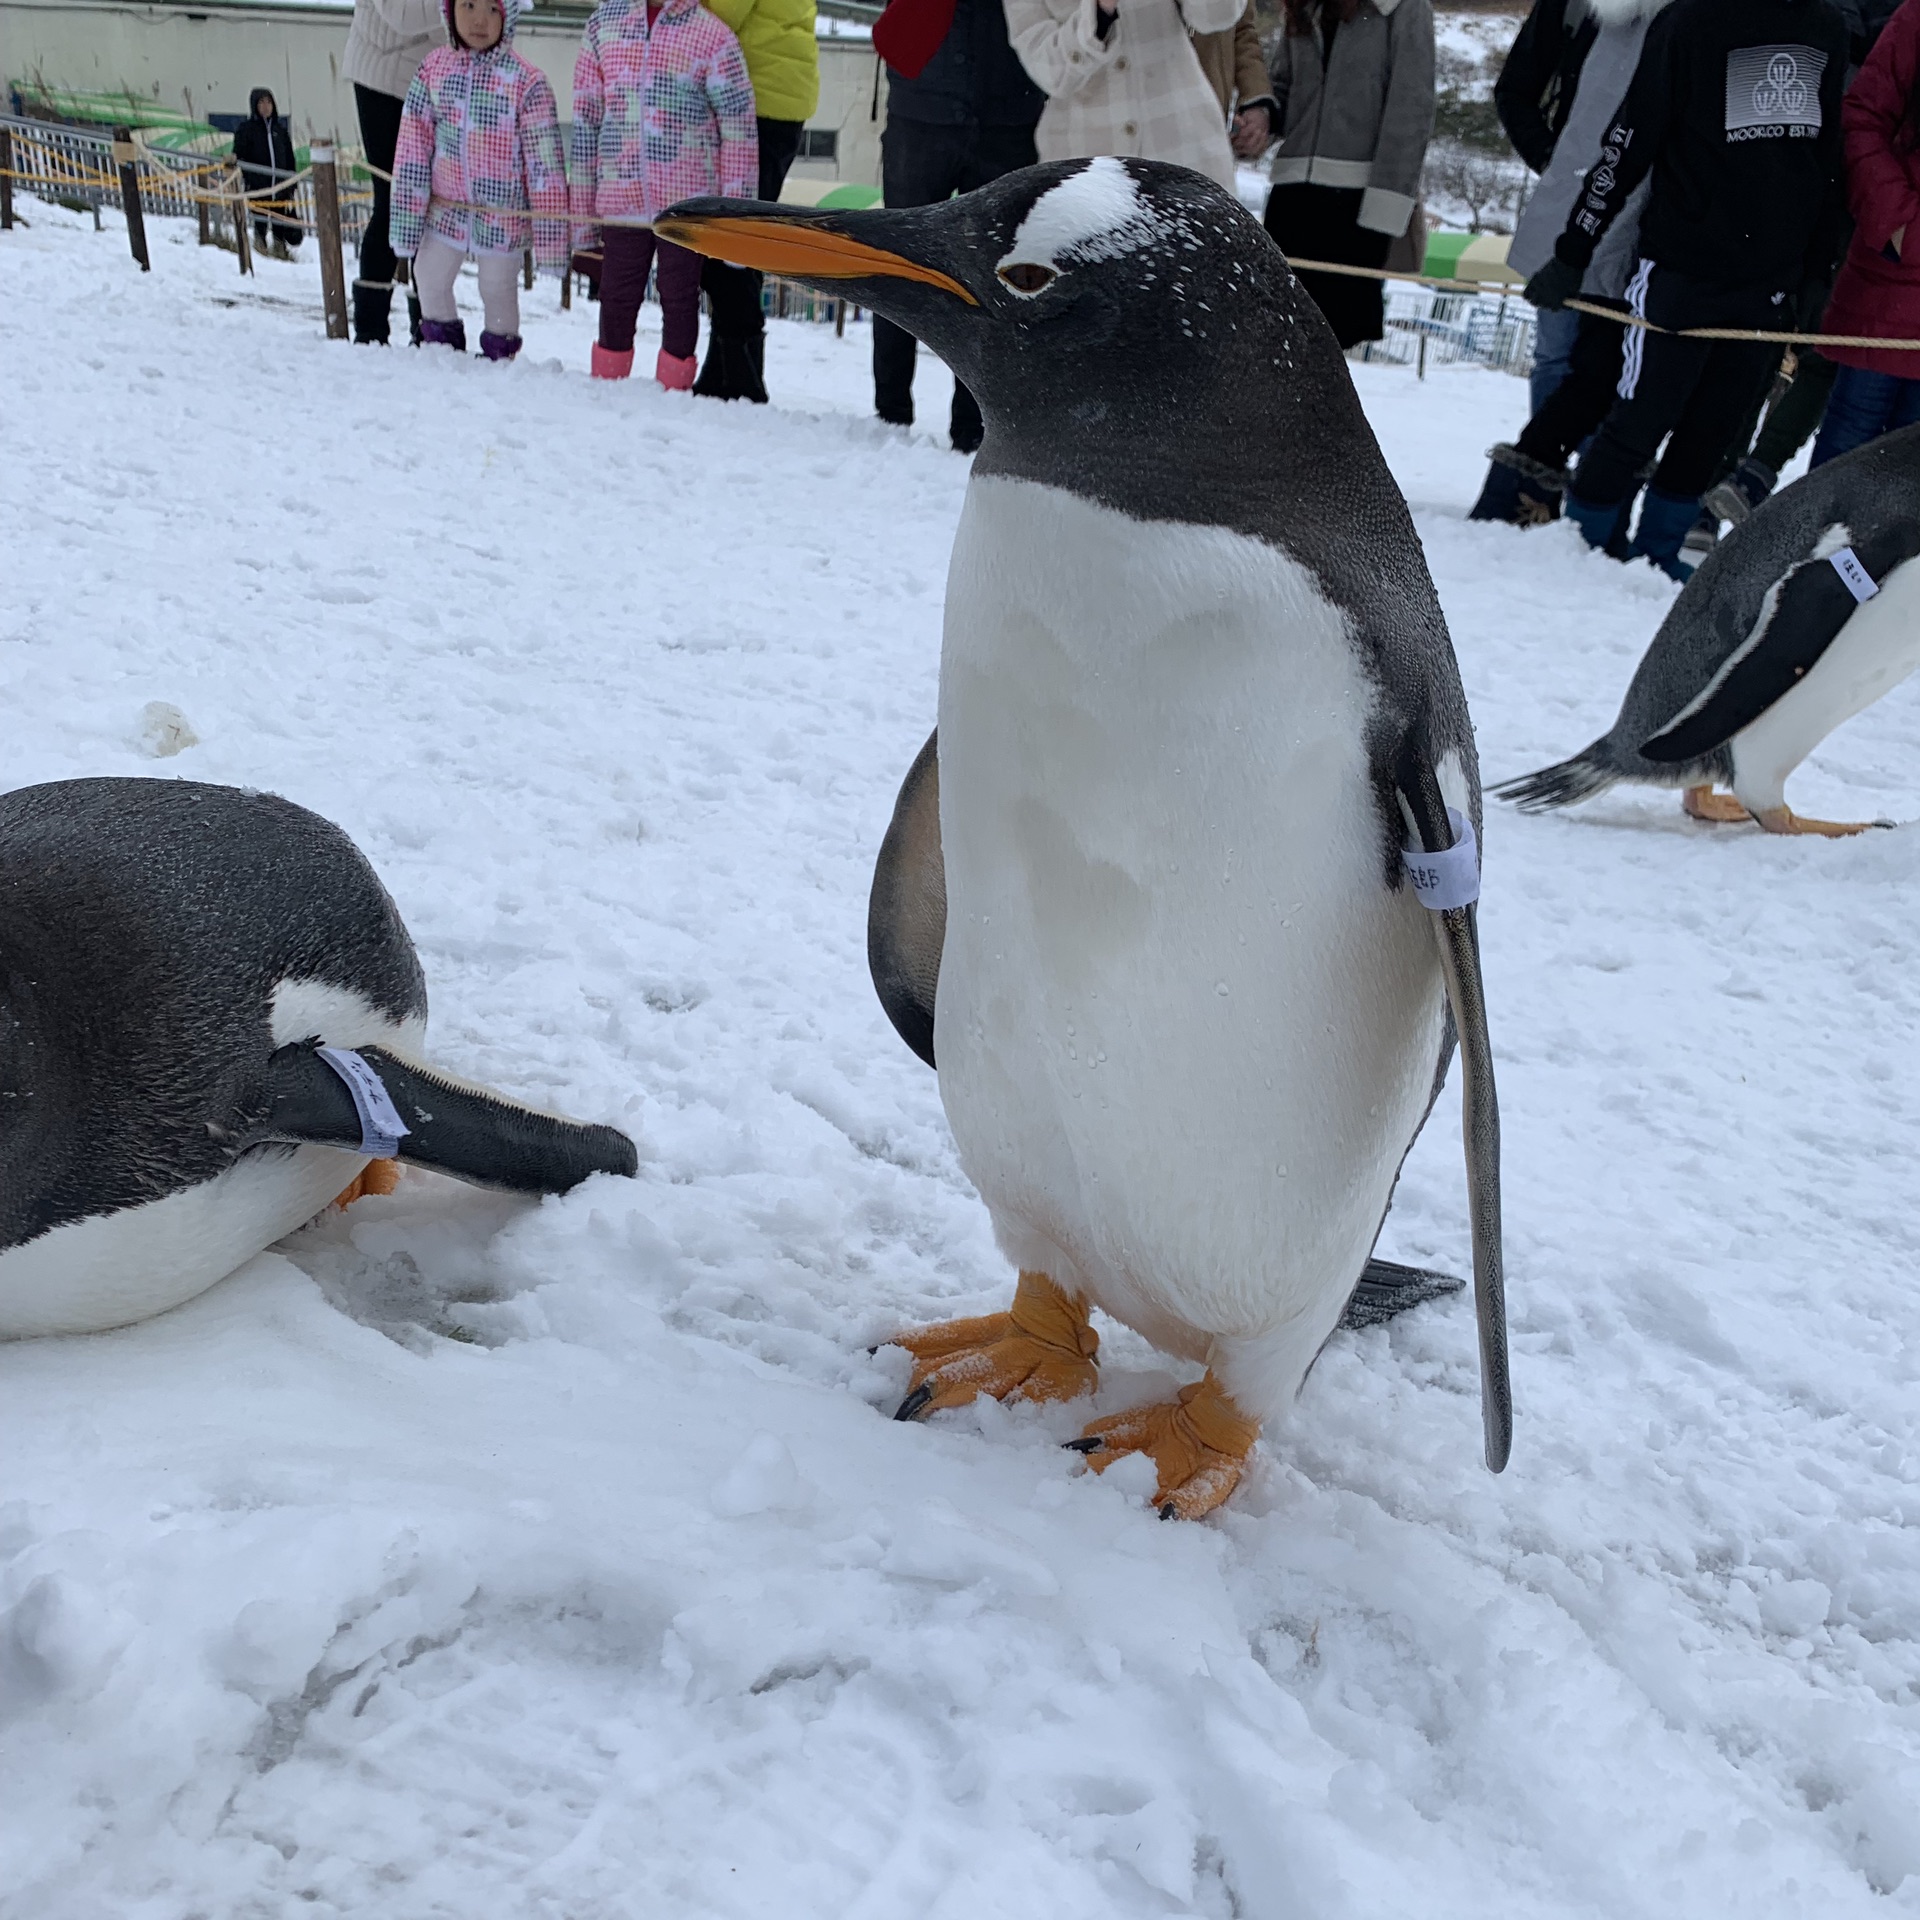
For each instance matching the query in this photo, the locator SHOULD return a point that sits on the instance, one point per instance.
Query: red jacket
(1878, 293)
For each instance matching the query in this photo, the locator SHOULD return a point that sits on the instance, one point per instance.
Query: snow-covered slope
(462, 1558)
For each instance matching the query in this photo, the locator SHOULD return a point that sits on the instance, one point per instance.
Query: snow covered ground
(472, 1559)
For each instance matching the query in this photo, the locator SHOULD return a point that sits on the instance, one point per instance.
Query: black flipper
(907, 910)
(1457, 931)
(1814, 604)
(463, 1131)
(1810, 606)
(1387, 1290)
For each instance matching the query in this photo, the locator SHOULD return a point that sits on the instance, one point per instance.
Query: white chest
(1185, 1029)
(1876, 650)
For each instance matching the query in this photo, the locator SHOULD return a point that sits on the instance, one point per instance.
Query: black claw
(914, 1405)
(1087, 1443)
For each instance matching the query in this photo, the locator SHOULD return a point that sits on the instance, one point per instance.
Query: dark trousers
(1863, 406)
(626, 255)
(379, 135)
(1583, 398)
(921, 164)
(733, 293)
(1697, 391)
(1323, 223)
(1795, 417)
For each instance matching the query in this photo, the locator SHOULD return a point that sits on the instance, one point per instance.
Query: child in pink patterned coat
(662, 110)
(480, 130)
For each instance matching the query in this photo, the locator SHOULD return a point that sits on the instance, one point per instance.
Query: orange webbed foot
(1722, 809)
(1199, 1442)
(377, 1176)
(1041, 1348)
(1785, 820)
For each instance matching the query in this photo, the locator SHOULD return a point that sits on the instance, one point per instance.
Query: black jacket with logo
(1735, 107)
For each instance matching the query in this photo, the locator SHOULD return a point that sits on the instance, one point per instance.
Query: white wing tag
(381, 1128)
(1860, 583)
(1451, 879)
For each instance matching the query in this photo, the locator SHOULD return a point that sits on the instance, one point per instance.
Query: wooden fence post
(200, 215)
(126, 157)
(326, 215)
(566, 286)
(6, 179)
(526, 268)
(242, 244)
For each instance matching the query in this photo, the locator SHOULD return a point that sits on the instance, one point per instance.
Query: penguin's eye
(1028, 276)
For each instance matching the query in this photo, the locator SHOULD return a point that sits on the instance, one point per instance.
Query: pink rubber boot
(608, 365)
(674, 373)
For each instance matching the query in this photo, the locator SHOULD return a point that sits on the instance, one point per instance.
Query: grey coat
(1604, 79)
(1365, 123)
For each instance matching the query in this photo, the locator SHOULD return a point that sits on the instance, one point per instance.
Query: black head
(1128, 327)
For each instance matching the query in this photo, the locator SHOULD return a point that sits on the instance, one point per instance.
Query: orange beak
(797, 249)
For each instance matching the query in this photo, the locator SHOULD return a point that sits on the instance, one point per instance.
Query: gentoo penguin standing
(1803, 616)
(1196, 699)
(210, 1016)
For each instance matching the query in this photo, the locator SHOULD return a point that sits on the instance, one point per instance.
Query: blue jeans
(1862, 407)
(1552, 355)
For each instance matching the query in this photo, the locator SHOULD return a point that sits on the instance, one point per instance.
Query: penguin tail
(370, 1100)
(1587, 773)
(1387, 1289)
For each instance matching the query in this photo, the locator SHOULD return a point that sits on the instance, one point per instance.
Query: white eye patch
(1095, 214)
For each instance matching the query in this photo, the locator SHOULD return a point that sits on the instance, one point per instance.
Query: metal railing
(1426, 326)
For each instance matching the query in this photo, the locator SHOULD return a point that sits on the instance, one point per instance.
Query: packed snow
(464, 1557)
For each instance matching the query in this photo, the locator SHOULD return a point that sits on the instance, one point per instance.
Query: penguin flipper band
(480, 1137)
(1456, 929)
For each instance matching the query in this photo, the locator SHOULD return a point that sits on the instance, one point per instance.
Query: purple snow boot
(499, 346)
(444, 333)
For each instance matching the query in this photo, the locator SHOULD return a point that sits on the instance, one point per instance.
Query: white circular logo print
(1781, 90)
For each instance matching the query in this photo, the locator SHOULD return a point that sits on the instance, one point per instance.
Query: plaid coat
(659, 116)
(1140, 91)
(481, 128)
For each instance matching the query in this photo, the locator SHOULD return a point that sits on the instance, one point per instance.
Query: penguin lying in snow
(1196, 698)
(209, 1021)
(1803, 616)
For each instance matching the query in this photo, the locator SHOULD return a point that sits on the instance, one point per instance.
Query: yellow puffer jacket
(783, 57)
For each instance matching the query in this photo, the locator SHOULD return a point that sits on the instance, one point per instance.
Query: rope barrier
(1618, 314)
(274, 202)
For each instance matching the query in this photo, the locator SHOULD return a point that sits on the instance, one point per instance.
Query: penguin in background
(1204, 807)
(1803, 616)
(210, 1026)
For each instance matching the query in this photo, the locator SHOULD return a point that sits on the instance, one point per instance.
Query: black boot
(372, 312)
(1742, 490)
(730, 373)
(1520, 491)
(415, 322)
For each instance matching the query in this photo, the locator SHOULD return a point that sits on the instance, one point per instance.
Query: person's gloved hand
(1554, 285)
